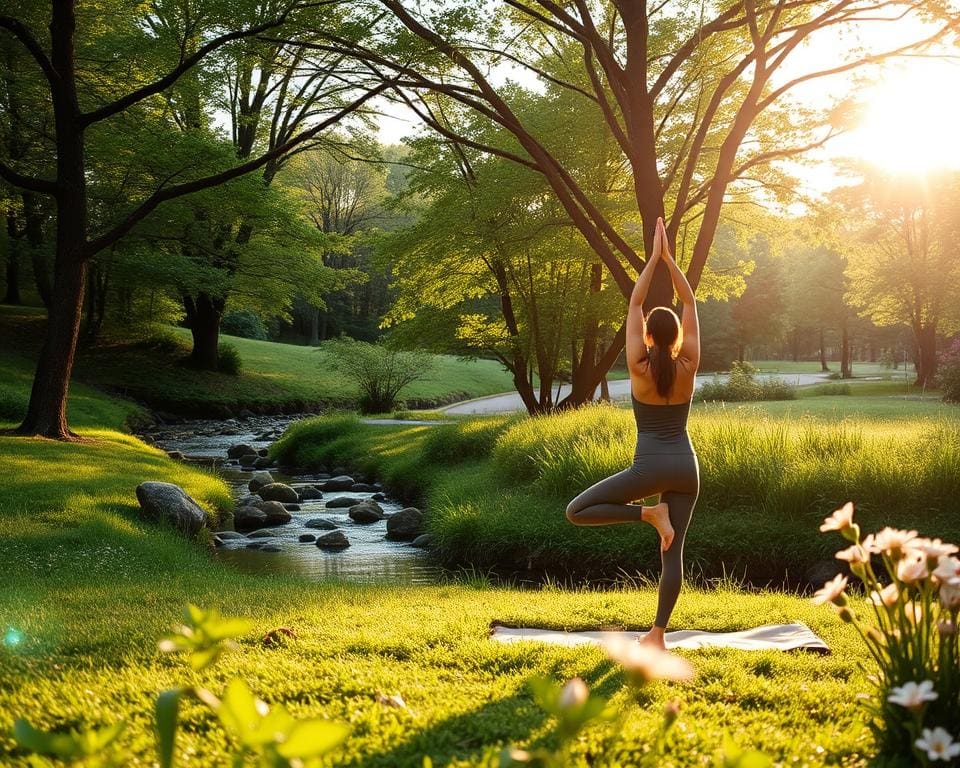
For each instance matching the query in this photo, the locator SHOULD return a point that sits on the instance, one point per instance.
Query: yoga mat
(770, 637)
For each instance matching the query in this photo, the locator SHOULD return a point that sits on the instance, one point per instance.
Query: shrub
(742, 386)
(13, 403)
(164, 340)
(948, 377)
(245, 324)
(228, 359)
(823, 390)
(380, 372)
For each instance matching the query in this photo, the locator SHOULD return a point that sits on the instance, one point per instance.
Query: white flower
(913, 611)
(869, 543)
(855, 555)
(892, 541)
(913, 567)
(947, 568)
(950, 594)
(933, 548)
(574, 694)
(831, 591)
(644, 662)
(886, 596)
(912, 695)
(840, 520)
(938, 744)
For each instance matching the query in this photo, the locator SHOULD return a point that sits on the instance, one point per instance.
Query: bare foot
(659, 517)
(653, 638)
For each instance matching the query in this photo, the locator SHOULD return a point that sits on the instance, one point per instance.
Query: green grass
(813, 366)
(86, 589)
(274, 377)
(496, 487)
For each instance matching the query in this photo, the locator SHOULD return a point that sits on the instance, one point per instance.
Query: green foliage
(742, 385)
(380, 372)
(243, 323)
(89, 747)
(948, 374)
(228, 359)
(204, 635)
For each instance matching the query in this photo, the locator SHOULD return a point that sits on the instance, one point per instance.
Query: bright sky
(910, 119)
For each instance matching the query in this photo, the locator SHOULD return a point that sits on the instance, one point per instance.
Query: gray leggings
(676, 477)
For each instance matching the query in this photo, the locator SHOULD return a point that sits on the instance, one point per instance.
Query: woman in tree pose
(663, 353)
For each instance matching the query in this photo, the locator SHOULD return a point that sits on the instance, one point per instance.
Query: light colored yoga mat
(770, 637)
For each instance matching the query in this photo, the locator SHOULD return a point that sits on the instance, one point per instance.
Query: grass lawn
(275, 377)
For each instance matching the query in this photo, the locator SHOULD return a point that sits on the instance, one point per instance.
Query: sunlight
(911, 118)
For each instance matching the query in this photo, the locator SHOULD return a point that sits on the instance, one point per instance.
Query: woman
(662, 356)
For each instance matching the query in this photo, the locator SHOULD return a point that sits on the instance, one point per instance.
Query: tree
(904, 266)
(697, 99)
(74, 116)
(758, 314)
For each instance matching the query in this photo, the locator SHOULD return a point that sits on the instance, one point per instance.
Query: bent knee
(572, 511)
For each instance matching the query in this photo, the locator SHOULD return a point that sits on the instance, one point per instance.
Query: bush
(742, 386)
(380, 372)
(164, 340)
(822, 390)
(13, 403)
(228, 359)
(245, 324)
(948, 377)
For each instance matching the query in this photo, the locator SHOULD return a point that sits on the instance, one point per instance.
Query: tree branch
(25, 36)
(32, 183)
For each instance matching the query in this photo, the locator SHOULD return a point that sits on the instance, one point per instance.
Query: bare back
(644, 388)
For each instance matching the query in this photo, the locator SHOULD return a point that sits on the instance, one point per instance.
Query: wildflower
(912, 695)
(644, 663)
(947, 568)
(831, 592)
(869, 544)
(933, 548)
(855, 555)
(913, 611)
(887, 596)
(893, 541)
(671, 710)
(938, 744)
(840, 520)
(950, 594)
(574, 694)
(913, 567)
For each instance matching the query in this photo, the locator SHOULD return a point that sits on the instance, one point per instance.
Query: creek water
(370, 556)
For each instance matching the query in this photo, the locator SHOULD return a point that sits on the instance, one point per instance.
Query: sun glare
(912, 119)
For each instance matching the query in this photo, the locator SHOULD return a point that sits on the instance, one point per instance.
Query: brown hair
(663, 326)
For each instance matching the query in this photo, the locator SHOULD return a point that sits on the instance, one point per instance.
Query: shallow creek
(370, 556)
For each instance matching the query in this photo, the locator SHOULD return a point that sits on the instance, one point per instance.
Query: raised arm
(636, 323)
(689, 322)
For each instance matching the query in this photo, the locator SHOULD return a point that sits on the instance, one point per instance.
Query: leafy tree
(696, 98)
(904, 266)
(758, 313)
(80, 102)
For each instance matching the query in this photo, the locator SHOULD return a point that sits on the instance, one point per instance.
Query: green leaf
(167, 708)
(238, 709)
(313, 738)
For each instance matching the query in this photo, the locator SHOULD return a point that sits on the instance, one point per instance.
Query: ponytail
(662, 369)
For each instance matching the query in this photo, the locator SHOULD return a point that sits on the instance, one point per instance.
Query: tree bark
(927, 355)
(824, 368)
(314, 326)
(12, 295)
(846, 369)
(204, 314)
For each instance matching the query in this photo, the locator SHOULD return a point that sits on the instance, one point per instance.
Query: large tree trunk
(47, 411)
(314, 326)
(204, 314)
(824, 368)
(12, 294)
(926, 355)
(846, 368)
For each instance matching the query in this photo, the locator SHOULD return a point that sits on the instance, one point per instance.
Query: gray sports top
(662, 428)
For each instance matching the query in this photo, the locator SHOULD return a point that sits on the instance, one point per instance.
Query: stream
(370, 556)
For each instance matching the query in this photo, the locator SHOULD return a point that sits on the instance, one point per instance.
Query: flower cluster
(911, 632)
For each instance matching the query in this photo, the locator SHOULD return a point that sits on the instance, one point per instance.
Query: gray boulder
(278, 492)
(422, 541)
(262, 533)
(406, 525)
(263, 462)
(259, 480)
(169, 503)
(275, 511)
(321, 524)
(250, 500)
(333, 540)
(309, 493)
(364, 488)
(339, 483)
(307, 538)
(378, 497)
(248, 460)
(342, 501)
(366, 512)
(249, 518)
(242, 449)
